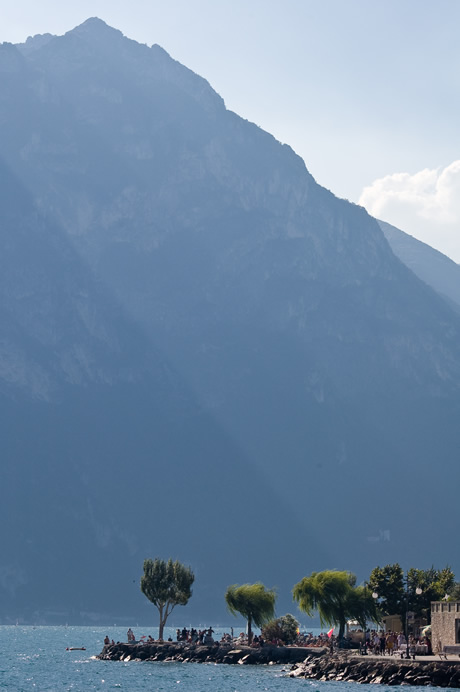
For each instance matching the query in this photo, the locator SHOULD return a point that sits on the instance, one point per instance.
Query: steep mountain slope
(204, 354)
(437, 270)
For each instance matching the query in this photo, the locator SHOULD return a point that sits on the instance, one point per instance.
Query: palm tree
(336, 598)
(253, 601)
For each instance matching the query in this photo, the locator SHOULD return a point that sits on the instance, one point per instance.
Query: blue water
(35, 658)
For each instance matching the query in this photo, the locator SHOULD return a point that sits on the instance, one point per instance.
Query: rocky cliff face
(204, 354)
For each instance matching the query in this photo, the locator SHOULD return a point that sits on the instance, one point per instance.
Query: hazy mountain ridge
(201, 348)
(34, 43)
(430, 265)
(225, 164)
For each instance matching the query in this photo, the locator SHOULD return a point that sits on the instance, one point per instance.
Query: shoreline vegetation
(337, 599)
(309, 663)
(332, 594)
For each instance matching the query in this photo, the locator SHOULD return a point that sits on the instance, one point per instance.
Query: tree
(166, 584)
(362, 606)
(388, 583)
(284, 628)
(253, 601)
(336, 598)
(398, 598)
(454, 593)
(435, 584)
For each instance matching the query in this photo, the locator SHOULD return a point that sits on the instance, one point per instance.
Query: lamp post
(364, 648)
(418, 591)
(375, 597)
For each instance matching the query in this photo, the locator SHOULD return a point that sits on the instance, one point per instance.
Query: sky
(367, 92)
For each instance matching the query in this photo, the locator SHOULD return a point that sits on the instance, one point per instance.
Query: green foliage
(253, 601)
(362, 607)
(166, 584)
(336, 598)
(434, 583)
(394, 598)
(284, 628)
(454, 593)
(388, 582)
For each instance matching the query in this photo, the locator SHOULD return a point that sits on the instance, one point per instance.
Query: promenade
(451, 658)
(386, 670)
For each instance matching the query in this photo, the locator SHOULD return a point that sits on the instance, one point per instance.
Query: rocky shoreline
(314, 664)
(353, 668)
(200, 653)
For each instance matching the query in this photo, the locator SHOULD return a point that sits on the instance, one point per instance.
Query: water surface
(35, 658)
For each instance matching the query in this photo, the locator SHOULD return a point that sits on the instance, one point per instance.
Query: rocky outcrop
(386, 672)
(198, 653)
(315, 664)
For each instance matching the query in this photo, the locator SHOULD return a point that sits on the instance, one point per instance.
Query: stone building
(445, 624)
(394, 623)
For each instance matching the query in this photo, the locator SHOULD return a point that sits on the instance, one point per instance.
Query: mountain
(204, 354)
(437, 270)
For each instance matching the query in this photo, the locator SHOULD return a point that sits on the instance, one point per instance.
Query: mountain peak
(95, 27)
(34, 43)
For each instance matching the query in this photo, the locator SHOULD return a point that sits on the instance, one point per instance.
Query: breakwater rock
(198, 653)
(385, 671)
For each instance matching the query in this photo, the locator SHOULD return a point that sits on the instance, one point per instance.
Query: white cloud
(425, 205)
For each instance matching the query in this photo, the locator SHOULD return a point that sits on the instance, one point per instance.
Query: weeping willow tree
(336, 598)
(253, 601)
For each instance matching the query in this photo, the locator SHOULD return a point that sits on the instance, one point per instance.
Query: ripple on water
(35, 658)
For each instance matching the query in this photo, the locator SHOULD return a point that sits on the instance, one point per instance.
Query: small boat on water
(75, 648)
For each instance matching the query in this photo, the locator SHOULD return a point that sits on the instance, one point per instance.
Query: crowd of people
(381, 643)
(195, 636)
(387, 643)
(309, 639)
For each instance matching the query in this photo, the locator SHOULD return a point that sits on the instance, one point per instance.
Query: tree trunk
(342, 630)
(162, 624)
(249, 631)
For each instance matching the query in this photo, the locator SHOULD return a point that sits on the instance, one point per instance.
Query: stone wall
(387, 670)
(443, 623)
